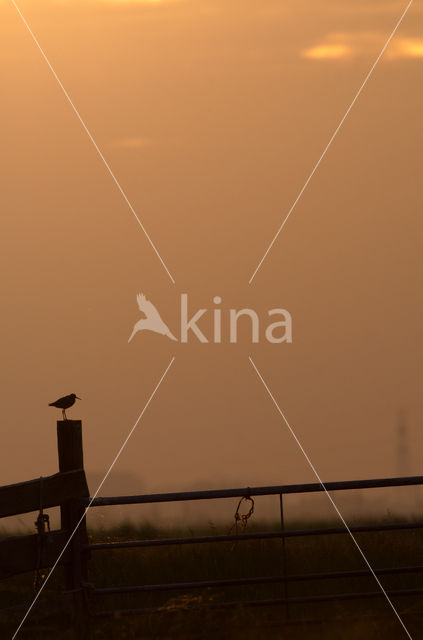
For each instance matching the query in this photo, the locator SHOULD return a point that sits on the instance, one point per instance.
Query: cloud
(137, 2)
(406, 48)
(133, 143)
(343, 46)
(328, 51)
(115, 3)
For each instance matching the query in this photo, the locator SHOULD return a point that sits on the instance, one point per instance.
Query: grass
(364, 619)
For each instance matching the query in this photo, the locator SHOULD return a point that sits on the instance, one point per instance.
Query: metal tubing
(251, 581)
(255, 491)
(263, 603)
(99, 546)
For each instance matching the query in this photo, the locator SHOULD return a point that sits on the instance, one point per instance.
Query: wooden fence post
(284, 563)
(69, 444)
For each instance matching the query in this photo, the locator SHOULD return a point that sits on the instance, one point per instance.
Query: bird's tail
(132, 335)
(170, 335)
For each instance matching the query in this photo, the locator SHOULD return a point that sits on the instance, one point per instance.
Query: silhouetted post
(284, 568)
(69, 444)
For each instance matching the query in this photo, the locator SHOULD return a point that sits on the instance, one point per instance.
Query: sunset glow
(212, 260)
(210, 120)
(341, 46)
(330, 51)
(407, 48)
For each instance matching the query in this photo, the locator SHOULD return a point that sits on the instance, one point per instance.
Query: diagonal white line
(372, 68)
(106, 164)
(330, 498)
(94, 496)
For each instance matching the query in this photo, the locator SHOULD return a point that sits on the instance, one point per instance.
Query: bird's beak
(78, 397)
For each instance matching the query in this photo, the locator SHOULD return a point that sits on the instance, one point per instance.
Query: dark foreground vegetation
(194, 614)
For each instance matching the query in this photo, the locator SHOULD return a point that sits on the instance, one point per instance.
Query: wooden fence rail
(50, 491)
(65, 489)
(21, 553)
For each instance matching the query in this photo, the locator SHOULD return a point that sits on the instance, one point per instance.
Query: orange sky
(212, 115)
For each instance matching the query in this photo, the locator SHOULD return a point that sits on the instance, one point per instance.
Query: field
(347, 619)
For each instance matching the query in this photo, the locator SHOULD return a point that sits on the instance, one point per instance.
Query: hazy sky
(212, 114)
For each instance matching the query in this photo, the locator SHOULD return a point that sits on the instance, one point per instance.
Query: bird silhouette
(64, 403)
(152, 320)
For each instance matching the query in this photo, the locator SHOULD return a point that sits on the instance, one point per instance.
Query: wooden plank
(56, 489)
(20, 553)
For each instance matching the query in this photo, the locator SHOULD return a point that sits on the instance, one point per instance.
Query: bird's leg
(64, 414)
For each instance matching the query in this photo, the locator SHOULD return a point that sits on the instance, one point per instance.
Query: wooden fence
(65, 489)
(68, 489)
